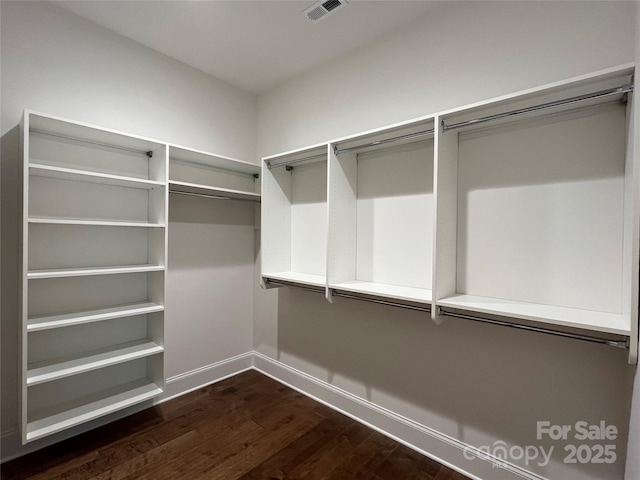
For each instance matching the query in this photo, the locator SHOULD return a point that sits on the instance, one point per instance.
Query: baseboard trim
(440, 447)
(429, 442)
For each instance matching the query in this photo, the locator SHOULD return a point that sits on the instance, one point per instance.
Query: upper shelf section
(524, 207)
(201, 174)
(70, 150)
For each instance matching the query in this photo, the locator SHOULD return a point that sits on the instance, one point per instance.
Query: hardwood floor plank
(247, 427)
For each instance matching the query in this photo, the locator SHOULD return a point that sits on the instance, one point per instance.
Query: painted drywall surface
(480, 384)
(58, 63)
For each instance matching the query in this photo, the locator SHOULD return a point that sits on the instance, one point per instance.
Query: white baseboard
(440, 447)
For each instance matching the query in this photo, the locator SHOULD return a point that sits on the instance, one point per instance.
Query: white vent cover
(321, 9)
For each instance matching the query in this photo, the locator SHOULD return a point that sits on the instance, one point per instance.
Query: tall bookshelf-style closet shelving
(522, 210)
(94, 262)
(93, 272)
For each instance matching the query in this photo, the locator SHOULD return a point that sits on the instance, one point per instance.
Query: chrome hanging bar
(189, 194)
(297, 160)
(282, 283)
(337, 293)
(531, 328)
(146, 153)
(422, 133)
(603, 93)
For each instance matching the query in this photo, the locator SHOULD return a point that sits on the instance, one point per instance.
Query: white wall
(58, 63)
(479, 384)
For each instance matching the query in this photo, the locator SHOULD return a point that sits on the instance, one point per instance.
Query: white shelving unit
(192, 172)
(521, 210)
(381, 213)
(294, 214)
(544, 201)
(93, 272)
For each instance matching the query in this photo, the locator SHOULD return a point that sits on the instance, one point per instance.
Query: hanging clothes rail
(297, 160)
(281, 283)
(146, 153)
(215, 197)
(531, 328)
(388, 303)
(422, 133)
(579, 98)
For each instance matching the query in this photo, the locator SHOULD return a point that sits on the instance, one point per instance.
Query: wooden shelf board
(89, 271)
(561, 316)
(297, 277)
(197, 189)
(49, 421)
(45, 322)
(79, 221)
(48, 371)
(189, 155)
(63, 173)
(396, 292)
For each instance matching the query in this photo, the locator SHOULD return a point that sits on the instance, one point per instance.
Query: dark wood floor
(246, 427)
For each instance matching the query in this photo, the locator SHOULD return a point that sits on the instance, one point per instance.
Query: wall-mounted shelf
(45, 322)
(84, 409)
(214, 192)
(201, 174)
(524, 208)
(90, 271)
(103, 223)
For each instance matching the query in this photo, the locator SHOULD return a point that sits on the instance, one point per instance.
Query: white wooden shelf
(396, 292)
(548, 314)
(59, 368)
(46, 422)
(89, 271)
(46, 322)
(63, 173)
(297, 277)
(78, 221)
(207, 191)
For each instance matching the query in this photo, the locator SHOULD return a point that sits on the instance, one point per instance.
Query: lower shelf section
(604, 322)
(60, 368)
(396, 292)
(297, 277)
(47, 422)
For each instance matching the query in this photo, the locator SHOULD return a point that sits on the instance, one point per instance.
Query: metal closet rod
(421, 133)
(297, 160)
(147, 153)
(188, 194)
(567, 101)
(337, 293)
(575, 336)
(338, 151)
(294, 285)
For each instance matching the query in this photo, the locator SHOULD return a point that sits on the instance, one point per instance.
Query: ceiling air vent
(320, 10)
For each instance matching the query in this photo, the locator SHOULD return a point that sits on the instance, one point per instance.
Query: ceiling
(254, 45)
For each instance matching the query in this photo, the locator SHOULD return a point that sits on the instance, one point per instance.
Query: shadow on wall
(11, 186)
(477, 383)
